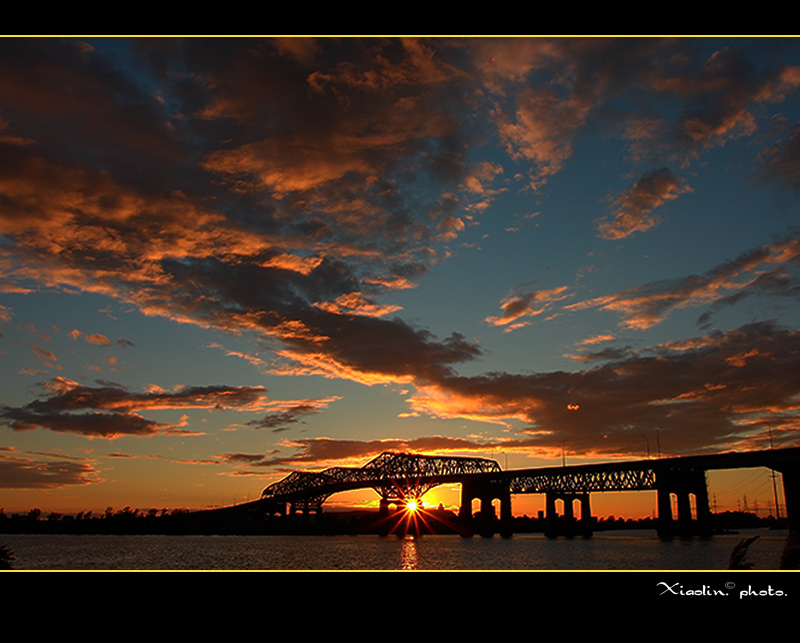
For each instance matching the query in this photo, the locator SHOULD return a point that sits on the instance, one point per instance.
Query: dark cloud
(719, 392)
(72, 396)
(78, 108)
(18, 472)
(242, 458)
(281, 420)
(110, 411)
(101, 425)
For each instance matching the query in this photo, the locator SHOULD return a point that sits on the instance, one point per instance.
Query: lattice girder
(392, 475)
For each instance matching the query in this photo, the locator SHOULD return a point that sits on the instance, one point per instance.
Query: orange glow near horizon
(729, 490)
(734, 490)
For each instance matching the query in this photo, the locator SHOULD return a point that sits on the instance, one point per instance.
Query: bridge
(402, 478)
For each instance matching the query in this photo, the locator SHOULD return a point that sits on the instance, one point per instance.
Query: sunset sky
(224, 259)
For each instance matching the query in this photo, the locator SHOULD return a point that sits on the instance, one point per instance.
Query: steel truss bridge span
(396, 477)
(631, 478)
(641, 475)
(403, 476)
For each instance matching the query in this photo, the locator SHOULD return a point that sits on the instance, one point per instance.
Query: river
(613, 551)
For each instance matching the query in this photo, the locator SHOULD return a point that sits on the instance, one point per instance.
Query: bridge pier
(383, 508)
(567, 525)
(395, 521)
(310, 511)
(683, 483)
(485, 521)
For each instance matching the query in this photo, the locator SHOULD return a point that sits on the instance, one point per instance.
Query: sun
(413, 505)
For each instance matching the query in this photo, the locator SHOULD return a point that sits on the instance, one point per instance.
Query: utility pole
(774, 487)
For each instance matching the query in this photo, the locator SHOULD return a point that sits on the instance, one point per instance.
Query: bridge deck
(406, 472)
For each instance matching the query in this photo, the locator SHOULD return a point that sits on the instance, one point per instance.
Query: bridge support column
(567, 525)
(383, 508)
(386, 522)
(465, 510)
(586, 524)
(486, 517)
(683, 483)
(310, 514)
(485, 521)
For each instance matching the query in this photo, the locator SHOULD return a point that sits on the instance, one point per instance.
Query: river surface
(620, 550)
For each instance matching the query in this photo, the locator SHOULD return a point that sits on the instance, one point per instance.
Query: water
(622, 550)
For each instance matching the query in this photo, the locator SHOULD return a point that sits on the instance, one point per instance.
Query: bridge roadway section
(399, 478)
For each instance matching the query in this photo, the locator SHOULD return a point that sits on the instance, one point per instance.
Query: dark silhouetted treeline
(181, 521)
(125, 520)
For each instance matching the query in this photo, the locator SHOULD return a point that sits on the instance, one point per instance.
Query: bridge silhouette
(403, 478)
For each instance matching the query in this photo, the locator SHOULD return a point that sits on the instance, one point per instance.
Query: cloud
(242, 458)
(769, 270)
(578, 86)
(782, 160)
(290, 413)
(110, 411)
(20, 472)
(719, 392)
(633, 210)
(94, 338)
(71, 395)
(538, 121)
(542, 129)
(526, 304)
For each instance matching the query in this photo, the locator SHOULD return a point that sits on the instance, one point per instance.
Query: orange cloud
(530, 304)
(94, 338)
(542, 129)
(633, 211)
(357, 303)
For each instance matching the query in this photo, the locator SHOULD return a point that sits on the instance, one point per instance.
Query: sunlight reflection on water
(408, 553)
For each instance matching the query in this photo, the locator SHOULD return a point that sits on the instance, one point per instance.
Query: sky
(225, 259)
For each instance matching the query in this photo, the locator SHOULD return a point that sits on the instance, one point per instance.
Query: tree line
(129, 520)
